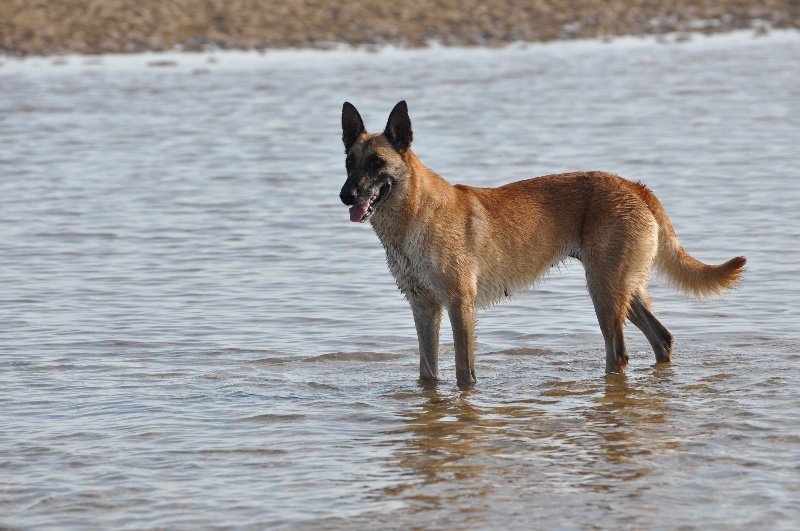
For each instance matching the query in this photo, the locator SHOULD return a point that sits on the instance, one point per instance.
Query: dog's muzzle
(362, 203)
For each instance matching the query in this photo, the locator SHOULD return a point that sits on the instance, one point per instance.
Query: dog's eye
(376, 163)
(348, 163)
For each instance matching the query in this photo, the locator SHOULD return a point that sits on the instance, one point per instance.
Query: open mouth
(362, 212)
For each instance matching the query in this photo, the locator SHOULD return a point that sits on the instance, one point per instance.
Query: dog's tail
(684, 272)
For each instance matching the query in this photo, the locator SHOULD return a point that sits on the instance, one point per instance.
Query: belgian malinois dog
(463, 248)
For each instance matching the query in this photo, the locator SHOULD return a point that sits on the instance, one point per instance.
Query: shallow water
(194, 334)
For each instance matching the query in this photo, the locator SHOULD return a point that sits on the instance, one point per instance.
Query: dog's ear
(352, 125)
(398, 128)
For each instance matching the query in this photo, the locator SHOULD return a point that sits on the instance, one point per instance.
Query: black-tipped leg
(657, 334)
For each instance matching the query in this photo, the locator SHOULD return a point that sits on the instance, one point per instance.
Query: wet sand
(47, 27)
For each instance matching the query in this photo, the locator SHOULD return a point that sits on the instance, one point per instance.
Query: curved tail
(684, 272)
(693, 276)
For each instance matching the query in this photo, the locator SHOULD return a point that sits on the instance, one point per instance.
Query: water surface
(192, 333)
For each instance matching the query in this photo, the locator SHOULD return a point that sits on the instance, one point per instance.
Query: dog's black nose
(348, 197)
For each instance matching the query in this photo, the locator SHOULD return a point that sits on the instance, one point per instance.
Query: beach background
(32, 27)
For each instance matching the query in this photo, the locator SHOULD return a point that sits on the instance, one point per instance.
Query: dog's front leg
(462, 319)
(427, 318)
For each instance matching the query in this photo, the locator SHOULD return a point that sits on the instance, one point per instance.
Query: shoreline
(202, 62)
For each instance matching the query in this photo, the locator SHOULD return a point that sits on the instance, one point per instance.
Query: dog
(463, 248)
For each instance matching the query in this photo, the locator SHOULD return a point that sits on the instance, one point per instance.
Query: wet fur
(461, 248)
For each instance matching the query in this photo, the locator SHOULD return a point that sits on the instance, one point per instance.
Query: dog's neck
(414, 199)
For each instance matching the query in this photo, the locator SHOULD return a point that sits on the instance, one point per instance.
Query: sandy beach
(49, 27)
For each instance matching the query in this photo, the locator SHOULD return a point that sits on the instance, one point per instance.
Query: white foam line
(199, 62)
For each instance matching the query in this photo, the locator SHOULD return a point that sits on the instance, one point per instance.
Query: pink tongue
(357, 211)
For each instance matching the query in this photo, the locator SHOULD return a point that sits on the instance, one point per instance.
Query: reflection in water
(595, 436)
(445, 431)
(627, 422)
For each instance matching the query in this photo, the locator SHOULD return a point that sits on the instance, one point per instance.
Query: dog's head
(375, 165)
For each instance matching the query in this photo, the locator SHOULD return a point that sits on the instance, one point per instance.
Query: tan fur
(462, 248)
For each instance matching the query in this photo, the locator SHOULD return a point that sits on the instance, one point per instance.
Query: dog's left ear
(398, 128)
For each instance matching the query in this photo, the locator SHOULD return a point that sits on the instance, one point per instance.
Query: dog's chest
(412, 268)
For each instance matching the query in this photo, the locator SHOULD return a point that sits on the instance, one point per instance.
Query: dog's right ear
(398, 128)
(352, 125)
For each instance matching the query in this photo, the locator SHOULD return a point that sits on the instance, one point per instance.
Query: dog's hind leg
(641, 315)
(618, 254)
(427, 318)
(611, 294)
(611, 316)
(610, 286)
